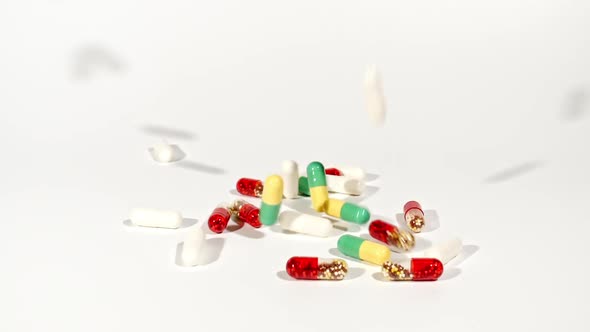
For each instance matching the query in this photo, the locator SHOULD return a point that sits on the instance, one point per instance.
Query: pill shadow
(576, 103)
(92, 58)
(368, 192)
(341, 226)
(199, 167)
(276, 228)
(466, 252)
(301, 205)
(168, 132)
(177, 154)
(210, 252)
(448, 273)
(249, 232)
(353, 273)
(186, 222)
(514, 172)
(431, 219)
(421, 244)
(371, 177)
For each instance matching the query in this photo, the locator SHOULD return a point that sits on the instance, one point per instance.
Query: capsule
(347, 211)
(421, 269)
(314, 268)
(246, 212)
(155, 218)
(414, 216)
(374, 97)
(336, 184)
(305, 223)
(390, 234)
(362, 249)
(445, 251)
(290, 174)
(219, 219)
(318, 188)
(163, 152)
(272, 196)
(193, 242)
(352, 171)
(249, 187)
(333, 171)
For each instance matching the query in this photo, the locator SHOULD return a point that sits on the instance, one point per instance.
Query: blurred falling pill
(374, 97)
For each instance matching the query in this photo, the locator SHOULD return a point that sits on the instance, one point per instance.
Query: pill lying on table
(314, 268)
(353, 172)
(156, 218)
(191, 247)
(290, 174)
(362, 249)
(163, 152)
(305, 223)
(347, 211)
(445, 251)
(336, 184)
(416, 269)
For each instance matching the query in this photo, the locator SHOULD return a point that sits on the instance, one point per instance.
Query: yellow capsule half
(272, 194)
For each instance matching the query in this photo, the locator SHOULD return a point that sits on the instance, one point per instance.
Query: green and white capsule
(272, 196)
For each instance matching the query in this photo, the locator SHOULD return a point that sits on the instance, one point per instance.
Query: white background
(488, 125)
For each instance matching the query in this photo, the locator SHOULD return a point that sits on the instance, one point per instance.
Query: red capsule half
(313, 268)
(249, 187)
(426, 269)
(333, 171)
(219, 219)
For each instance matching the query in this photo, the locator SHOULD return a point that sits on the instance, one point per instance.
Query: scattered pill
(374, 96)
(155, 218)
(163, 152)
(390, 234)
(421, 269)
(445, 251)
(353, 172)
(219, 218)
(362, 249)
(336, 184)
(313, 268)
(347, 211)
(333, 171)
(290, 173)
(414, 216)
(272, 196)
(191, 247)
(305, 223)
(246, 212)
(249, 187)
(318, 188)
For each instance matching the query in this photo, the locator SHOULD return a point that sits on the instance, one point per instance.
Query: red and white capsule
(250, 187)
(414, 216)
(420, 269)
(314, 268)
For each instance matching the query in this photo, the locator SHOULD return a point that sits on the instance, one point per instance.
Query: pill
(305, 223)
(290, 174)
(353, 172)
(414, 216)
(336, 184)
(390, 234)
(420, 269)
(191, 247)
(333, 171)
(272, 196)
(445, 251)
(163, 152)
(246, 212)
(374, 96)
(347, 211)
(364, 250)
(318, 188)
(156, 218)
(219, 218)
(249, 187)
(314, 268)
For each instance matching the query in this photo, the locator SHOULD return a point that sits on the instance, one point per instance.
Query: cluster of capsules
(317, 184)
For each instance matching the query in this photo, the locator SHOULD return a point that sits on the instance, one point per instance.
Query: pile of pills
(317, 184)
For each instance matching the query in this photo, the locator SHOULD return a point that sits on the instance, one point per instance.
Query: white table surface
(488, 125)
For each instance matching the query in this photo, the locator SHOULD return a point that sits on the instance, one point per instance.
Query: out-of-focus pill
(374, 96)
(290, 174)
(305, 223)
(414, 216)
(156, 218)
(333, 171)
(336, 184)
(191, 247)
(163, 152)
(219, 218)
(445, 251)
(390, 234)
(347, 211)
(272, 197)
(250, 187)
(362, 249)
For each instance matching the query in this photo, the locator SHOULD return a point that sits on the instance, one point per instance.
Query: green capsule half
(316, 175)
(303, 186)
(269, 214)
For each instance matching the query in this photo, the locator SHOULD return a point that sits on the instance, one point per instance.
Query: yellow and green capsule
(318, 189)
(364, 250)
(272, 196)
(347, 211)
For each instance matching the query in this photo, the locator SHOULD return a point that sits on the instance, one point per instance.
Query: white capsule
(344, 185)
(156, 218)
(163, 152)
(305, 223)
(351, 171)
(445, 251)
(374, 96)
(191, 247)
(290, 175)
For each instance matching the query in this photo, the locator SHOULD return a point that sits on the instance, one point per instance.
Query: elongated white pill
(374, 97)
(305, 223)
(445, 251)
(191, 247)
(351, 171)
(290, 175)
(156, 218)
(345, 185)
(163, 152)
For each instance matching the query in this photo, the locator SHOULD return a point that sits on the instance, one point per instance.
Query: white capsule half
(163, 152)
(445, 251)
(353, 172)
(191, 247)
(290, 175)
(156, 218)
(345, 185)
(305, 223)
(374, 96)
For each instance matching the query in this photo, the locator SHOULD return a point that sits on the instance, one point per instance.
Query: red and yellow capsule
(421, 269)
(390, 234)
(314, 268)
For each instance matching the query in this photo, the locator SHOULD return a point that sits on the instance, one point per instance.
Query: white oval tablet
(344, 185)
(445, 251)
(191, 247)
(156, 218)
(305, 223)
(290, 175)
